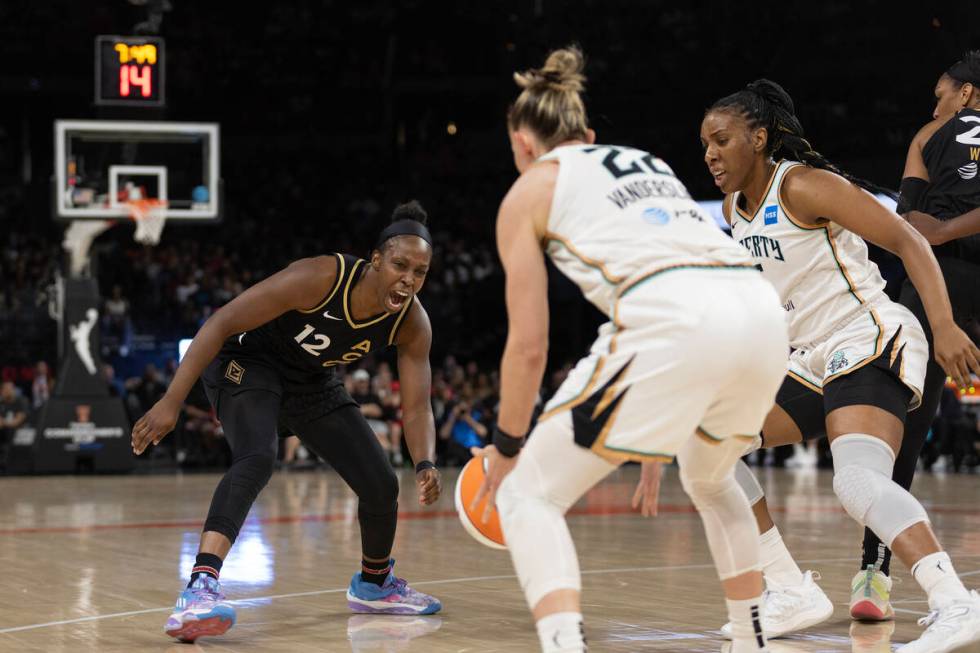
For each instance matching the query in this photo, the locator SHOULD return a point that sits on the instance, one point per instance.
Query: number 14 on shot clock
(129, 71)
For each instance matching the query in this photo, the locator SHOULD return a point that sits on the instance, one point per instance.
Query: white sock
(937, 577)
(746, 619)
(561, 632)
(777, 563)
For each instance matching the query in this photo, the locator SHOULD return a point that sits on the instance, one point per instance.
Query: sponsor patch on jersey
(838, 362)
(969, 171)
(771, 215)
(656, 216)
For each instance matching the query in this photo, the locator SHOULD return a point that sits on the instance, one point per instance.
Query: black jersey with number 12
(307, 344)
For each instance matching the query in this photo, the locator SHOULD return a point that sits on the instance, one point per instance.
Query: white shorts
(886, 329)
(690, 350)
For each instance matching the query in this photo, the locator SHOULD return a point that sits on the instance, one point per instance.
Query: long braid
(764, 104)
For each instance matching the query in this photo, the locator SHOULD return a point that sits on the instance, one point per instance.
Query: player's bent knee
(862, 482)
(388, 487)
(701, 486)
(857, 488)
(254, 471)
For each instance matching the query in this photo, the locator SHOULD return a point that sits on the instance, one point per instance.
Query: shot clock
(129, 71)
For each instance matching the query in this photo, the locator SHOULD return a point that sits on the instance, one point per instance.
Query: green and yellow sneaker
(870, 591)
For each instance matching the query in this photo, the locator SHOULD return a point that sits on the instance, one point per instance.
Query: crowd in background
(164, 293)
(310, 168)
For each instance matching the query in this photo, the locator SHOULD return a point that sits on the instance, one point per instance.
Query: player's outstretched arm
(299, 286)
(813, 195)
(415, 376)
(521, 226)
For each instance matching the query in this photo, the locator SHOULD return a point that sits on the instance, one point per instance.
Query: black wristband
(425, 464)
(507, 445)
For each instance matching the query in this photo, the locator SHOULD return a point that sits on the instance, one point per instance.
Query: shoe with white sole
(870, 596)
(392, 597)
(200, 611)
(952, 628)
(790, 609)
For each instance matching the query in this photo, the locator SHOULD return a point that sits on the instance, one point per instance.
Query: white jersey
(619, 215)
(822, 273)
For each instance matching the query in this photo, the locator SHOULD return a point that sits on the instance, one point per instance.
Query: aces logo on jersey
(969, 171)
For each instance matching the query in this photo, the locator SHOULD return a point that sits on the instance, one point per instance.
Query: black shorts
(963, 286)
(303, 399)
(870, 385)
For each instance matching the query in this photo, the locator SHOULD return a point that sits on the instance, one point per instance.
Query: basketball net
(150, 216)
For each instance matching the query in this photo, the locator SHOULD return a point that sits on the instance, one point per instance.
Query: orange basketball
(467, 485)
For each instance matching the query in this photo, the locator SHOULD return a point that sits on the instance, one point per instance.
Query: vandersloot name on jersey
(642, 189)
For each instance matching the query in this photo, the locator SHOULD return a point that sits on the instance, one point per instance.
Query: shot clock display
(129, 71)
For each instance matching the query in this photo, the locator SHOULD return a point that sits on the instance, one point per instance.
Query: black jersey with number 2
(307, 344)
(952, 157)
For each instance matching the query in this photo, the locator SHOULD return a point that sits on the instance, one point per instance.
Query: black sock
(207, 564)
(375, 572)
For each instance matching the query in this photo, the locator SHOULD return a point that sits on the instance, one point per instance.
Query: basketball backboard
(100, 165)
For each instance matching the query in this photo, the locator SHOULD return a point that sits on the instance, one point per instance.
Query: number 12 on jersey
(322, 341)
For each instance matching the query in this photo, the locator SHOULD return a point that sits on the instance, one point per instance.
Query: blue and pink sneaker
(200, 611)
(393, 597)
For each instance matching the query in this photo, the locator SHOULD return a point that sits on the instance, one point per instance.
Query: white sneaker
(948, 629)
(789, 609)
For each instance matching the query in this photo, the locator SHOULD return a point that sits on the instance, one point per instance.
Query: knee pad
(862, 481)
(748, 482)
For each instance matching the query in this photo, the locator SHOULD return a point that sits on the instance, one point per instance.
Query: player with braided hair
(858, 361)
(940, 196)
(659, 381)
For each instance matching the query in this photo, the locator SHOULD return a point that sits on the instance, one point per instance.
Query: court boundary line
(586, 511)
(444, 581)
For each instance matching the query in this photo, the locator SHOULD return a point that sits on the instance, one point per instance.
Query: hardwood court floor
(95, 563)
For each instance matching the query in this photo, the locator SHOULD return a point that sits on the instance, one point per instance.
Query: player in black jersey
(268, 358)
(940, 196)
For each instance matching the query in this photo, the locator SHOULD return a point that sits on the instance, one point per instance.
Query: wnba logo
(969, 171)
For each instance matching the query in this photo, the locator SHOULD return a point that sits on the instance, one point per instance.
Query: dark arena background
(313, 120)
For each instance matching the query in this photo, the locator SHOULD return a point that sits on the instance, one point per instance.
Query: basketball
(592, 246)
(467, 485)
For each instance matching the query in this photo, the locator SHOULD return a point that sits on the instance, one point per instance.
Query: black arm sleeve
(910, 195)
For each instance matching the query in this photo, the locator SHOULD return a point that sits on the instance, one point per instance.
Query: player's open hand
(155, 424)
(498, 467)
(429, 483)
(934, 230)
(647, 494)
(956, 353)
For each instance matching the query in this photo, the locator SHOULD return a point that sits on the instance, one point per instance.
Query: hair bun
(562, 72)
(773, 93)
(410, 211)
